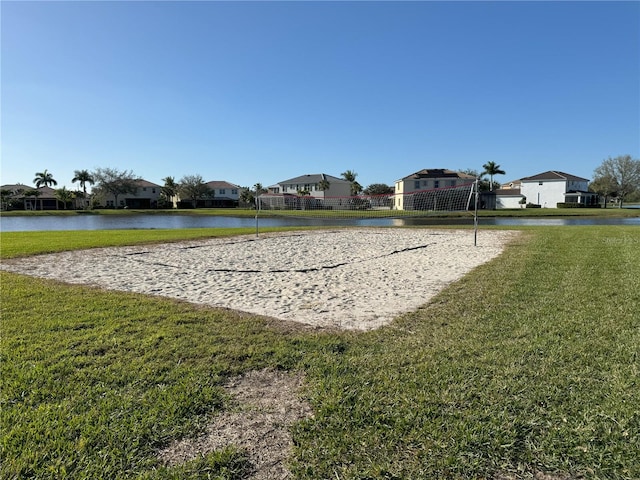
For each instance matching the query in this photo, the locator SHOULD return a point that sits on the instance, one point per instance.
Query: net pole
(257, 202)
(475, 214)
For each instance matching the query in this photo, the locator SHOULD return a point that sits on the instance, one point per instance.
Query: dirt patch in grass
(267, 403)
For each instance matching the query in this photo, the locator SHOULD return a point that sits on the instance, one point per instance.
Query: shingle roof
(312, 179)
(438, 173)
(554, 175)
(145, 183)
(221, 184)
(45, 192)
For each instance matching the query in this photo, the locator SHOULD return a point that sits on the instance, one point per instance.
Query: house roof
(45, 192)
(15, 187)
(437, 173)
(145, 183)
(221, 184)
(554, 175)
(312, 179)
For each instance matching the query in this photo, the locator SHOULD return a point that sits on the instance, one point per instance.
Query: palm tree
(324, 184)
(44, 179)
(491, 169)
(35, 194)
(83, 177)
(247, 197)
(64, 195)
(259, 189)
(169, 190)
(350, 176)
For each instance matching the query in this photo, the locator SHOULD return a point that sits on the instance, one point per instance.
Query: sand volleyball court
(346, 278)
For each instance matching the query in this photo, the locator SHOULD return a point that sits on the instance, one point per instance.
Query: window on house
(223, 191)
(153, 190)
(234, 191)
(144, 189)
(436, 184)
(416, 184)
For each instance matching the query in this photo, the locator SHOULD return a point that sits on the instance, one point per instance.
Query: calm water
(125, 222)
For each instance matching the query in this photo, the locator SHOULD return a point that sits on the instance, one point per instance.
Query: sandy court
(346, 278)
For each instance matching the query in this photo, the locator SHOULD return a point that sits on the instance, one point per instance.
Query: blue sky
(253, 92)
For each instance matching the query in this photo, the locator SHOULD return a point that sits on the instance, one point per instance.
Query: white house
(427, 179)
(550, 188)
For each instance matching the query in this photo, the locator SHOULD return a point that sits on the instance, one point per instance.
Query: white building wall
(229, 192)
(547, 193)
(508, 202)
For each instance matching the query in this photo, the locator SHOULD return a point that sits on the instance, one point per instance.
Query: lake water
(131, 222)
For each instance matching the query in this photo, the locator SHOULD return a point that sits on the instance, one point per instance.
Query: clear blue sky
(264, 91)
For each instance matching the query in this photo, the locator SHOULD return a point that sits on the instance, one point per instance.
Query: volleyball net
(421, 203)
(397, 205)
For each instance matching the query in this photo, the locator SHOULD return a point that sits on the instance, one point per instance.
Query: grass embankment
(529, 364)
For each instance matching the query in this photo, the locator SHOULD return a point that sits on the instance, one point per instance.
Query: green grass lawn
(529, 364)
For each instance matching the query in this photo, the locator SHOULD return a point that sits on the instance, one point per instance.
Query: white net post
(257, 205)
(475, 213)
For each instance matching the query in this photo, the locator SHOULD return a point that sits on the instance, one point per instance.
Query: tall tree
(115, 182)
(83, 177)
(192, 187)
(624, 170)
(32, 193)
(44, 179)
(169, 190)
(259, 189)
(350, 176)
(247, 197)
(378, 189)
(605, 187)
(5, 198)
(491, 169)
(324, 184)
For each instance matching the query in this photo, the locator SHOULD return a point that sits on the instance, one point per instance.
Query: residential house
(285, 194)
(146, 196)
(223, 195)
(312, 184)
(44, 200)
(550, 188)
(426, 179)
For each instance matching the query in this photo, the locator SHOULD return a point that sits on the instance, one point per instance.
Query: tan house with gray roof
(427, 179)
